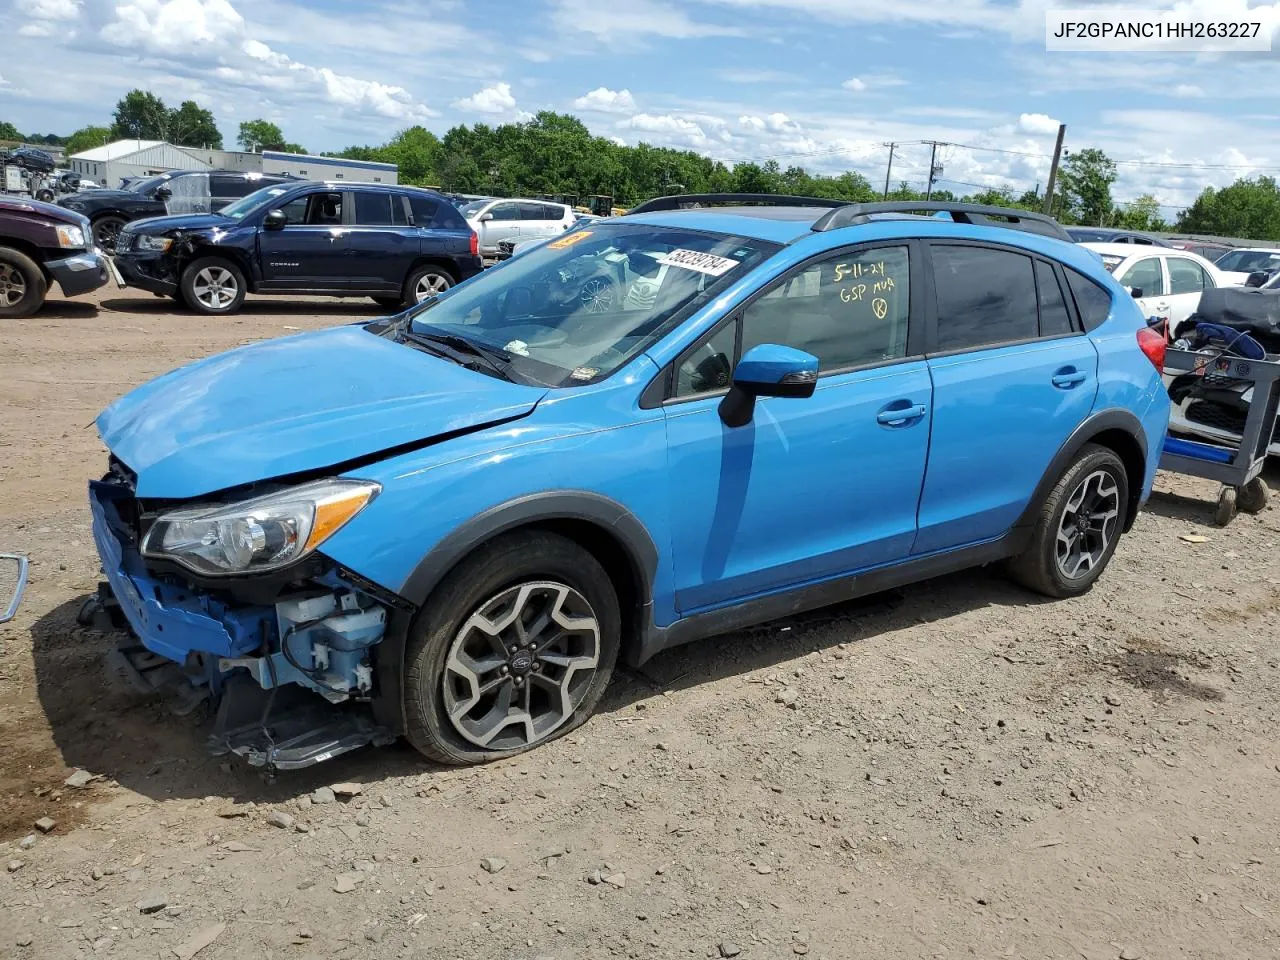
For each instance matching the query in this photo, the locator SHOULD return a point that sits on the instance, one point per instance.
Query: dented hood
(301, 403)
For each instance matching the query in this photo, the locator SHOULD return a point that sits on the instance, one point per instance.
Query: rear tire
(22, 284)
(426, 281)
(213, 285)
(1078, 527)
(531, 595)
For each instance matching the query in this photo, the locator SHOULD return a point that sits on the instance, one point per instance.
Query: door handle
(900, 416)
(1068, 379)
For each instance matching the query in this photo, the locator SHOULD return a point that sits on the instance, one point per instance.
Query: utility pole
(933, 149)
(1053, 169)
(888, 170)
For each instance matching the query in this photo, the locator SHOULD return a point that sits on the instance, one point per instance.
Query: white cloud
(755, 123)
(604, 100)
(626, 25)
(494, 99)
(37, 28)
(619, 141)
(1038, 124)
(50, 9)
(777, 122)
(1187, 90)
(856, 84)
(174, 26)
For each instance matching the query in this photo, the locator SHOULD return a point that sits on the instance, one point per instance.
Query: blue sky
(820, 83)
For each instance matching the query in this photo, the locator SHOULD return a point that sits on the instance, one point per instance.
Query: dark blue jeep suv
(398, 245)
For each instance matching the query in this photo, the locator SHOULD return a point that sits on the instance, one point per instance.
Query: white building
(110, 164)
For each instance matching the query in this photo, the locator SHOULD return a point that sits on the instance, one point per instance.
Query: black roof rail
(974, 213)
(684, 200)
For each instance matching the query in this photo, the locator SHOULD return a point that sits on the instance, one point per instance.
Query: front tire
(212, 285)
(22, 284)
(515, 648)
(105, 232)
(1078, 527)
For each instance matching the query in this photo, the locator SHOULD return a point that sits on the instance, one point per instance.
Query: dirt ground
(964, 771)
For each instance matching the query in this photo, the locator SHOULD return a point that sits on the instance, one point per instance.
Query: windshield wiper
(497, 360)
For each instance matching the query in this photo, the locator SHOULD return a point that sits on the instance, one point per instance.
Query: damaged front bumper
(292, 675)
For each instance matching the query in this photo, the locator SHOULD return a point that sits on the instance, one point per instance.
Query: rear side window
(984, 296)
(553, 212)
(1054, 319)
(373, 209)
(1185, 276)
(424, 210)
(1093, 302)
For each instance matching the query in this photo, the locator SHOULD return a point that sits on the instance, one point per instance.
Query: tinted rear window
(1092, 301)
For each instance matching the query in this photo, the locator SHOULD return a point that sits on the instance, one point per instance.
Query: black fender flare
(1103, 421)
(608, 515)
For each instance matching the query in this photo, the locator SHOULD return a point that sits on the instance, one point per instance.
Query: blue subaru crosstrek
(449, 524)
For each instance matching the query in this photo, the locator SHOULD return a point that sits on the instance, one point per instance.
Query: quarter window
(1185, 276)
(1054, 319)
(1092, 301)
(708, 367)
(985, 297)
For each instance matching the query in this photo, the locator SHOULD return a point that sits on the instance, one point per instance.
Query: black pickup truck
(176, 192)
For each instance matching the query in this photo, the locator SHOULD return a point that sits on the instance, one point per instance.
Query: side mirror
(163, 193)
(1135, 292)
(275, 220)
(486, 217)
(1257, 278)
(767, 370)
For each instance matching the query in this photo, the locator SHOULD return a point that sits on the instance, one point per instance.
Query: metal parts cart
(1238, 469)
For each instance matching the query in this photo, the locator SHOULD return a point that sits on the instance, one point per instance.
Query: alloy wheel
(1088, 524)
(13, 285)
(106, 233)
(430, 285)
(215, 287)
(521, 665)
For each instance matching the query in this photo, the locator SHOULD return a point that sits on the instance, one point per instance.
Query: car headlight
(70, 237)
(260, 534)
(152, 244)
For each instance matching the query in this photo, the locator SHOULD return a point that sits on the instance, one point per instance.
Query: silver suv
(515, 220)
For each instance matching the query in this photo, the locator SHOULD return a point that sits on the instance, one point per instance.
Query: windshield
(147, 184)
(1247, 261)
(246, 205)
(473, 208)
(573, 310)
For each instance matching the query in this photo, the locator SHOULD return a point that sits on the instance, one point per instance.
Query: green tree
(86, 138)
(140, 115)
(191, 125)
(1247, 208)
(1140, 214)
(258, 135)
(1085, 186)
(8, 131)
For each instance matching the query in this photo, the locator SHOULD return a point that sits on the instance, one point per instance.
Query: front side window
(1145, 275)
(576, 308)
(985, 297)
(505, 211)
(1185, 276)
(847, 310)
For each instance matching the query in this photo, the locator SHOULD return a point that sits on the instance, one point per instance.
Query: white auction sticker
(707, 263)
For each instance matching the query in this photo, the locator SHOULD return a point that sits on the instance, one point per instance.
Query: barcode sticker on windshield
(707, 263)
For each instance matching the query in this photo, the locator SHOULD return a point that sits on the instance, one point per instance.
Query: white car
(1165, 281)
(498, 220)
(1236, 265)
